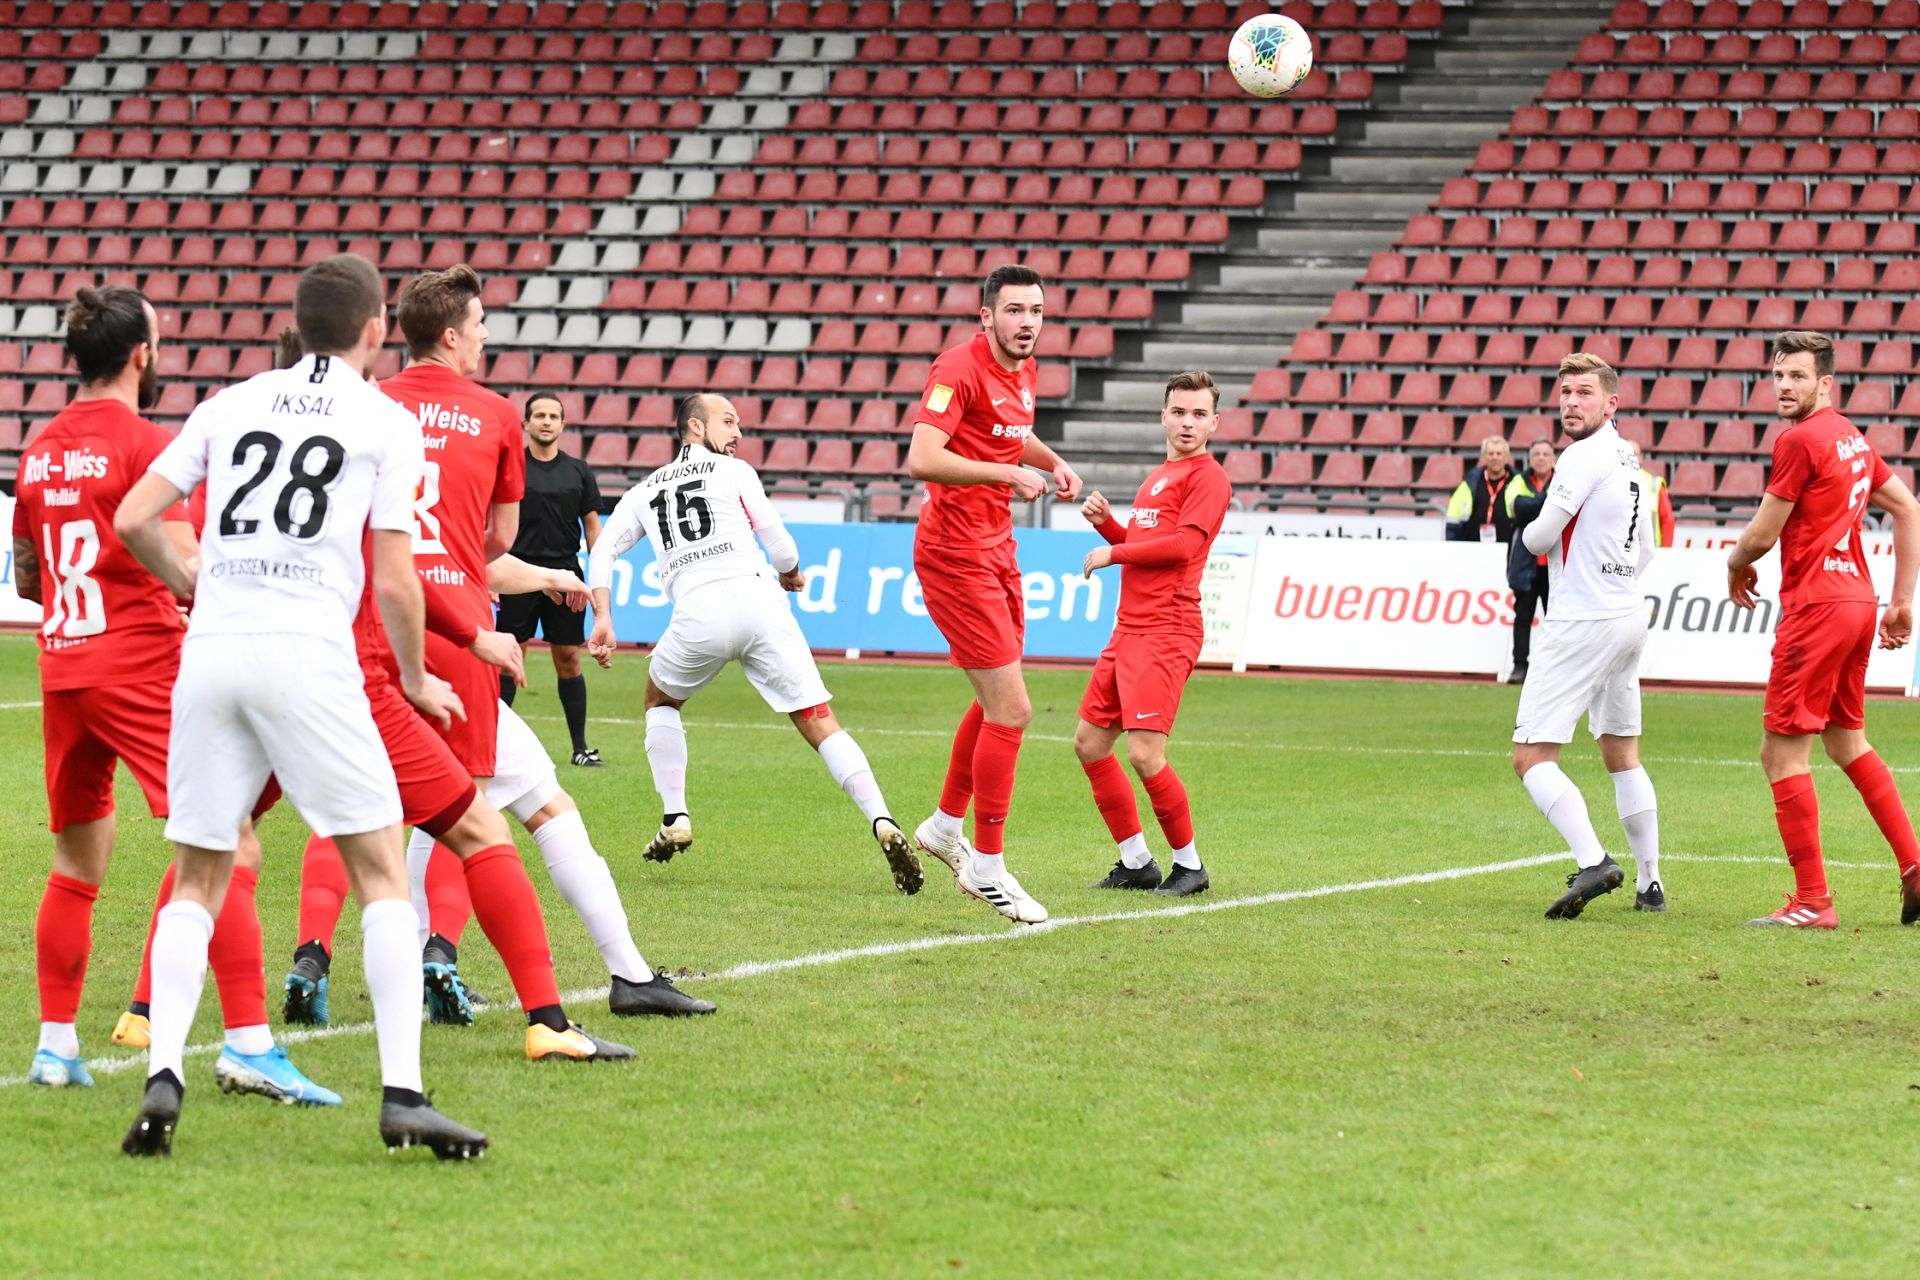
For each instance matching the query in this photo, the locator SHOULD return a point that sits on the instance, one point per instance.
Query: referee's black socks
(507, 688)
(573, 700)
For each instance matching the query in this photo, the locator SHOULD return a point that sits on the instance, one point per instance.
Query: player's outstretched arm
(397, 592)
(764, 517)
(1755, 541)
(511, 576)
(929, 459)
(1036, 452)
(1545, 529)
(1894, 498)
(26, 570)
(138, 523)
(619, 533)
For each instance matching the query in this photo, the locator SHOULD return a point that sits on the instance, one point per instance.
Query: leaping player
(703, 512)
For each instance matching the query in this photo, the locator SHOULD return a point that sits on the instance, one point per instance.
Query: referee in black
(562, 505)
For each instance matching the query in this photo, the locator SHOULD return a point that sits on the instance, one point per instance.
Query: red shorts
(974, 597)
(474, 740)
(1138, 681)
(435, 788)
(86, 730)
(1819, 675)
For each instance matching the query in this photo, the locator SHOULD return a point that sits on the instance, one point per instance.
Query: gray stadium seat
(661, 220)
(663, 334)
(791, 335)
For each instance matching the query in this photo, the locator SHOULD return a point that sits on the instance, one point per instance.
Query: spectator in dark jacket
(1477, 511)
(1526, 572)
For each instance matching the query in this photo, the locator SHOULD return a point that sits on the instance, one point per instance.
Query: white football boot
(955, 851)
(671, 839)
(1003, 894)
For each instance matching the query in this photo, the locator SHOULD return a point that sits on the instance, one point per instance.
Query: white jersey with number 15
(703, 512)
(1594, 569)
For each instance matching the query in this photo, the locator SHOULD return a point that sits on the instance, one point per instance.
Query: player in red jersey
(110, 649)
(1136, 684)
(1824, 474)
(973, 442)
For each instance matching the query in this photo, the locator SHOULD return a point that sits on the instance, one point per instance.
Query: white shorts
(294, 706)
(523, 777)
(1589, 665)
(746, 620)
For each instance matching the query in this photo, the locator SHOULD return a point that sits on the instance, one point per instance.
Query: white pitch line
(758, 968)
(19, 706)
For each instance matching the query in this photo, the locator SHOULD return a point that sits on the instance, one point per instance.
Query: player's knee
(1147, 756)
(1088, 747)
(1013, 712)
(480, 827)
(566, 661)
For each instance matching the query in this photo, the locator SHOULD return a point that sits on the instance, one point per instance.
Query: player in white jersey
(299, 463)
(704, 511)
(1596, 530)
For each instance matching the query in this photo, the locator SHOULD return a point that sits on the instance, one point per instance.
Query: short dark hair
(288, 350)
(1191, 380)
(336, 298)
(103, 327)
(691, 406)
(526, 414)
(1791, 341)
(433, 303)
(1000, 277)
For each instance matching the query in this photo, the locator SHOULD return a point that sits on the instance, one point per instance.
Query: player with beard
(1596, 529)
(972, 442)
(1824, 475)
(110, 643)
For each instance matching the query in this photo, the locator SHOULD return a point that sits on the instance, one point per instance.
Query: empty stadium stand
(793, 202)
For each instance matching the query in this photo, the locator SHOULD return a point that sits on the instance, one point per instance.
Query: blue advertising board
(862, 592)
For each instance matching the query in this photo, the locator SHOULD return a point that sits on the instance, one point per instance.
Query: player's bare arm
(623, 531)
(1036, 452)
(26, 570)
(508, 575)
(600, 643)
(138, 523)
(396, 588)
(498, 649)
(1755, 541)
(1894, 498)
(590, 528)
(503, 526)
(794, 579)
(929, 459)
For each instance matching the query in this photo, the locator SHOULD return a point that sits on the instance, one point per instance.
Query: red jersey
(474, 458)
(1826, 468)
(987, 411)
(1160, 583)
(105, 619)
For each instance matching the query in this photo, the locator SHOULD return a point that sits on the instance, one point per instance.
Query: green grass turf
(1423, 1080)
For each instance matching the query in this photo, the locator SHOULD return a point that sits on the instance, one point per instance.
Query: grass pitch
(1422, 1078)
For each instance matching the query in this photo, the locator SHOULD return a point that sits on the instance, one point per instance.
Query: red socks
(1169, 800)
(1113, 795)
(63, 938)
(1877, 787)
(509, 912)
(994, 757)
(1797, 811)
(449, 904)
(236, 955)
(143, 985)
(323, 892)
(957, 792)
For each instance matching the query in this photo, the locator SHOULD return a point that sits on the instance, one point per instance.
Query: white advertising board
(13, 610)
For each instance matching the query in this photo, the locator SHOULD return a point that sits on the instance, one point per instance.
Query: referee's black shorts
(521, 616)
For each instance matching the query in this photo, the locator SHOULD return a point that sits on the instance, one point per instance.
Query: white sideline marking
(758, 968)
(1470, 753)
(19, 706)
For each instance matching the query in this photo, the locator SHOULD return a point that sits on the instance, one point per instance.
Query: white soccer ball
(1270, 55)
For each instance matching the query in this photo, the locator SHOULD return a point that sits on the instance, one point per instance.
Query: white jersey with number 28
(298, 462)
(1594, 570)
(704, 512)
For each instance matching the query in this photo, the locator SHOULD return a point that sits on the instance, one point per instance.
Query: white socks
(60, 1039)
(948, 825)
(1555, 796)
(667, 754)
(1134, 853)
(250, 1040)
(1639, 814)
(392, 962)
(582, 877)
(180, 937)
(419, 850)
(989, 866)
(848, 765)
(1187, 856)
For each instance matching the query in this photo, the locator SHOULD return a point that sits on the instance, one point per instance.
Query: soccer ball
(1270, 55)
